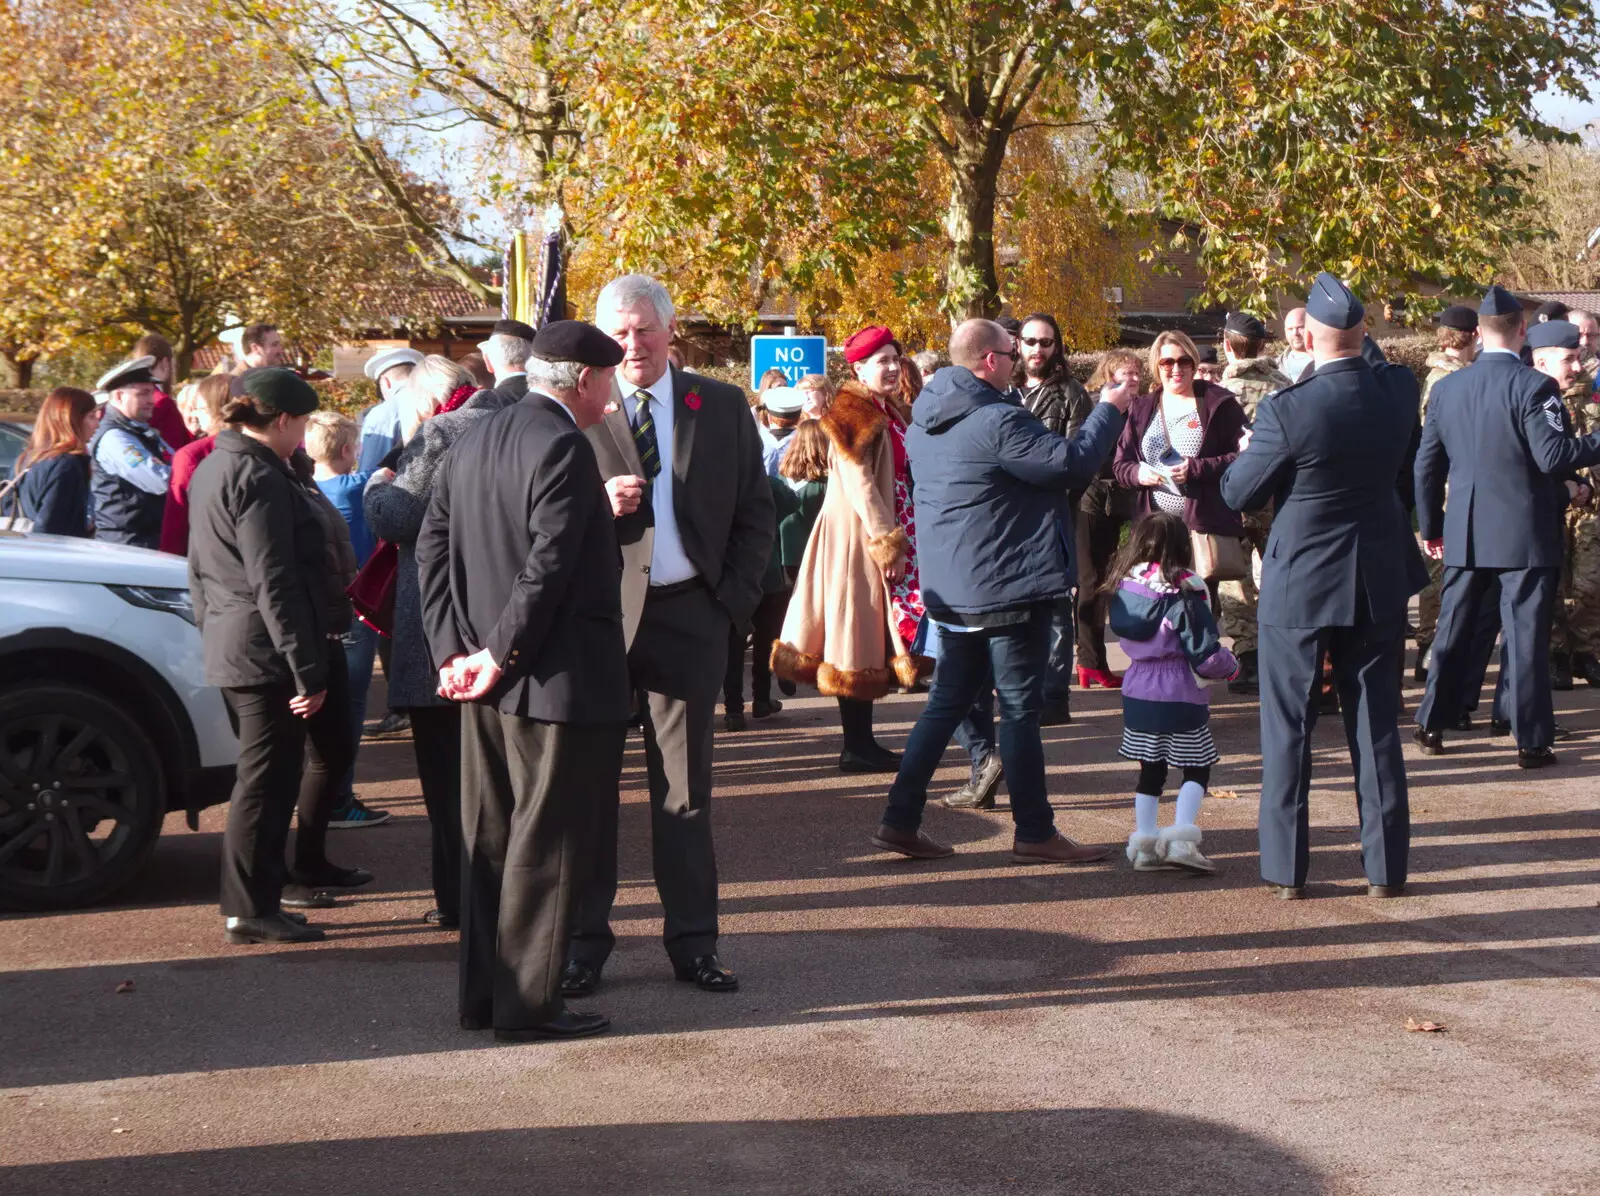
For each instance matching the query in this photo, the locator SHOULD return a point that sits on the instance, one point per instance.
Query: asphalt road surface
(964, 1026)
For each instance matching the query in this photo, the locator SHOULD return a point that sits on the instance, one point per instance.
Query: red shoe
(1104, 678)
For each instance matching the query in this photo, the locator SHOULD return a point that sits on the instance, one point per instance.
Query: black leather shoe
(300, 897)
(1386, 890)
(1560, 672)
(734, 721)
(764, 708)
(1542, 757)
(274, 928)
(978, 793)
(579, 979)
(1464, 723)
(1431, 742)
(566, 1024)
(1287, 892)
(444, 921)
(1056, 714)
(1499, 726)
(297, 919)
(1562, 732)
(707, 972)
(882, 760)
(331, 877)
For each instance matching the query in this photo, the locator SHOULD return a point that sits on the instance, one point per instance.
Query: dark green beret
(275, 391)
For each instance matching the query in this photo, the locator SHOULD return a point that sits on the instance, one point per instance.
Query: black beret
(514, 328)
(1460, 317)
(1208, 355)
(1552, 309)
(1497, 301)
(1242, 323)
(1334, 304)
(1553, 334)
(275, 391)
(574, 340)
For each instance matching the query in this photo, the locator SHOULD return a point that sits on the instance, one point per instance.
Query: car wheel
(81, 797)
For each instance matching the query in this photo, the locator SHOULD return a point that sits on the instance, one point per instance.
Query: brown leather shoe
(1059, 850)
(910, 843)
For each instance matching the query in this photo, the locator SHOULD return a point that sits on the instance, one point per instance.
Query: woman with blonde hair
(439, 402)
(857, 606)
(818, 392)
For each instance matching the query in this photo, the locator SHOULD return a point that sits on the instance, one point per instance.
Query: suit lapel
(616, 423)
(684, 419)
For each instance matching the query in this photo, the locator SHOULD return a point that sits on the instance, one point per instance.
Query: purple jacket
(1222, 420)
(1169, 636)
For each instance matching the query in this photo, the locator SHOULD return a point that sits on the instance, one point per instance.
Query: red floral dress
(905, 595)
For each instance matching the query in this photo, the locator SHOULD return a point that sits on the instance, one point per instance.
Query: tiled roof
(1585, 300)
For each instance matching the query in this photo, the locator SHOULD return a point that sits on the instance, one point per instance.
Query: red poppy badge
(692, 400)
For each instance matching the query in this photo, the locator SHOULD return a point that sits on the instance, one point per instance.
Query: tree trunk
(972, 283)
(16, 373)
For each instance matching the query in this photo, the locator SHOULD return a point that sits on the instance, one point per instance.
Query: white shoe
(1143, 853)
(1179, 846)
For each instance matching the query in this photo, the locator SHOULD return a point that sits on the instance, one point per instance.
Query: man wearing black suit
(520, 577)
(1497, 432)
(1340, 568)
(694, 512)
(506, 353)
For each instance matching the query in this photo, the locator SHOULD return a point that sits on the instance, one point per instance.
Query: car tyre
(82, 796)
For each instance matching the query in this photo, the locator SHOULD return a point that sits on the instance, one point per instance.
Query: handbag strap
(10, 491)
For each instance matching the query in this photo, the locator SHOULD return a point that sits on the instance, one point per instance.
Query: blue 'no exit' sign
(796, 356)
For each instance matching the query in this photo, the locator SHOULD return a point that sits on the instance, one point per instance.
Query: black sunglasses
(1038, 342)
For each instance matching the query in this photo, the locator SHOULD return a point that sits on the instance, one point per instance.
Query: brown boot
(1059, 850)
(911, 843)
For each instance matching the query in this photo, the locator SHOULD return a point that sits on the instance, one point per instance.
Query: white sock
(1145, 808)
(1190, 795)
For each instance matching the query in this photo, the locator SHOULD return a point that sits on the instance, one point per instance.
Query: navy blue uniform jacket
(1498, 434)
(1330, 450)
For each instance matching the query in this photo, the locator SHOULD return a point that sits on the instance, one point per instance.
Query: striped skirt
(1185, 749)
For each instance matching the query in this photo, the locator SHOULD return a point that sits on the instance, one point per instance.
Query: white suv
(106, 722)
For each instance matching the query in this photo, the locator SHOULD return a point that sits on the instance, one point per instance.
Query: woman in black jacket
(53, 471)
(268, 605)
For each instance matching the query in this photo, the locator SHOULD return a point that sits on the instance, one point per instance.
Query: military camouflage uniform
(1251, 379)
(1440, 365)
(1576, 627)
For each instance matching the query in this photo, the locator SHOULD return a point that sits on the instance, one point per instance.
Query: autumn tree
(1565, 255)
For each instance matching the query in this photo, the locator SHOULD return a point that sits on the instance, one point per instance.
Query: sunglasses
(1038, 342)
(1177, 363)
(1004, 353)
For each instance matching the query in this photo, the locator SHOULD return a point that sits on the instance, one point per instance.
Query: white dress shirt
(668, 562)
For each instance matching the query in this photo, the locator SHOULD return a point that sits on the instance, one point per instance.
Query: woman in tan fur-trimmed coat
(856, 607)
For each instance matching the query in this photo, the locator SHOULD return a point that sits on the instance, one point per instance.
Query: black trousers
(436, 742)
(1097, 544)
(1368, 679)
(677, 662)
(529, 792)
(272, 779)
(765, 626)
(1527, 601)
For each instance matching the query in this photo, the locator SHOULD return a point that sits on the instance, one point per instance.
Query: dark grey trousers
(676, 662)
(1366, 670)
(529, 792)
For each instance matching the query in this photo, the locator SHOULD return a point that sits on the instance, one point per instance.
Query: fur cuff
(792, 664)
(910, 670)
(865, 685)
(1140, 845)
(888, 550)
(1179, 834)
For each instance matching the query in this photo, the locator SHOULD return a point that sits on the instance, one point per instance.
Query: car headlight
(174, 602)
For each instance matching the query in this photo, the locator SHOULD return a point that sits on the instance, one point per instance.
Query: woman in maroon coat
(1178, 441)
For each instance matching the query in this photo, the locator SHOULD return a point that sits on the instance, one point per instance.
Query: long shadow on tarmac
(1099, 1150)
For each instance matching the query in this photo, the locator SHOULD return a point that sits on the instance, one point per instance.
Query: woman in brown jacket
(857, 606)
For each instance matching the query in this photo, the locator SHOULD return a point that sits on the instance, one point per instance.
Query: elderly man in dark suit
(1498, 434)
(1339, 571)
(682, 461)
(520, 577)
(506, 353)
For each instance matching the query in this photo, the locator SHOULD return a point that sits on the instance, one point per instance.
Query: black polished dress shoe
(1499, 726)
(1464, 723)
(297, 919)
(444, 921)
(579, 979)
(566, 1024)
(1431, 742)
(708, 972)
(1382, 891)
(1541, 757)
(1287, 892)
(330, 876)
(764, 708)
(882, 760)
(734, 721)
(274, 928)
(300, 897)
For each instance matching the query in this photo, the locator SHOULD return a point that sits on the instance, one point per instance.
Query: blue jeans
(1015, 656)
(360, 649)
(975, 732)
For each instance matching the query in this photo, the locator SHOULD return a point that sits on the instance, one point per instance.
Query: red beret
(867, 342)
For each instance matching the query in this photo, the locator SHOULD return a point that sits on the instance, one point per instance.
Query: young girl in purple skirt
(1161, 613)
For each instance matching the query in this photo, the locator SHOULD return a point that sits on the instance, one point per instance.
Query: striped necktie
(644, 436)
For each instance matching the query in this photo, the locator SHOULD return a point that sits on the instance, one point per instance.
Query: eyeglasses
(1177, 363)
(1038, 342)
(1011, 353)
